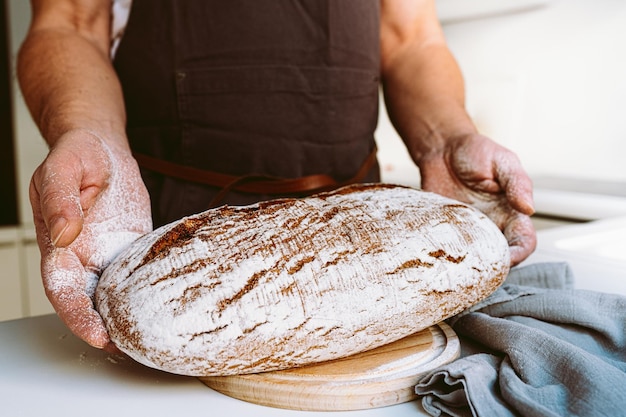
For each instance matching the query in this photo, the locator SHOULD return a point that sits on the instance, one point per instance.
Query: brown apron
(244, 100)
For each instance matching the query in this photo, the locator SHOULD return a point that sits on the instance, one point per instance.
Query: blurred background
(546, 79)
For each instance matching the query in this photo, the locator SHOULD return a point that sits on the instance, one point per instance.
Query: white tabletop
(45, 370)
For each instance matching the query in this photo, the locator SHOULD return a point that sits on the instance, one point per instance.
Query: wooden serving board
(380, 377)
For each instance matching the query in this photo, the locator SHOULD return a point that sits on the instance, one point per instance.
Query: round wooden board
(380, 377)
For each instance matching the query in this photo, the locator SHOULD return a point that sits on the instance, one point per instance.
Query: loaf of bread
(292, 282)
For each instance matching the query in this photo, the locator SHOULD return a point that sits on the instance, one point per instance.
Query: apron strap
(252, 183)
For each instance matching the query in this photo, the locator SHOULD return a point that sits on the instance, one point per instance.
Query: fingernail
(57, 230)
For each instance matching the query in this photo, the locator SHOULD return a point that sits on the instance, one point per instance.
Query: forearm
(422, 83)
(69, 84)
(425, 102)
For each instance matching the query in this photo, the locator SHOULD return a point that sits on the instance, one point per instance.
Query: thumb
(55, 198)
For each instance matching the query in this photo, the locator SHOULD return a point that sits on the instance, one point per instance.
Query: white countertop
(596, 252)
(45, 370)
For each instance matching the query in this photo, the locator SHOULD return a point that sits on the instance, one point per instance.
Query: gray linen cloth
(535, 347)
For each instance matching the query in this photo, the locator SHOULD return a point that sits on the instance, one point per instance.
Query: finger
(55, 195)
(86, 323)
(522, 238)
(519, 192)
(64, 282)
(111, 348)
(517, 185)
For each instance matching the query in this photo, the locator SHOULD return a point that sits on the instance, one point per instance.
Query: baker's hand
(478, 171)
(89, 203)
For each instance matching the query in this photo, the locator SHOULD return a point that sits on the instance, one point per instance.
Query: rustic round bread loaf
(292, 282)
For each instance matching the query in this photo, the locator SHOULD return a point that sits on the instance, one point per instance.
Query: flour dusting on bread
(291, 282)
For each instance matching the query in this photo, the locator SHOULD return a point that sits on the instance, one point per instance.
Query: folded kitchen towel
(535, 347)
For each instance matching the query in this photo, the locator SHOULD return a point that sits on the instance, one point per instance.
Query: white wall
(548, 83)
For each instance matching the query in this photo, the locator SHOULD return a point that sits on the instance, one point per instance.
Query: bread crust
(292, 282)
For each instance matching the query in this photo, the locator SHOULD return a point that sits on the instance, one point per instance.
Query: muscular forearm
(426, 101)
(68, 82)
(423, 86)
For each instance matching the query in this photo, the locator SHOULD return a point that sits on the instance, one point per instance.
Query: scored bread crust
(292, 282)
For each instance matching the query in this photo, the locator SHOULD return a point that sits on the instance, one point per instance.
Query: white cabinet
(21, 289)
(11, 306)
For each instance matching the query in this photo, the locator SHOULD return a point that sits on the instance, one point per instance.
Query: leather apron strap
(253, 183)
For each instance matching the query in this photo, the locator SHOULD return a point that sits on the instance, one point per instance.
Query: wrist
(115, 142)
(438, 143)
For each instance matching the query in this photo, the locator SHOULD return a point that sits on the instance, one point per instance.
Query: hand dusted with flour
(292, 282)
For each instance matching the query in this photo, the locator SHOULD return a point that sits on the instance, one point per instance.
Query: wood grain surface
(376, 378)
